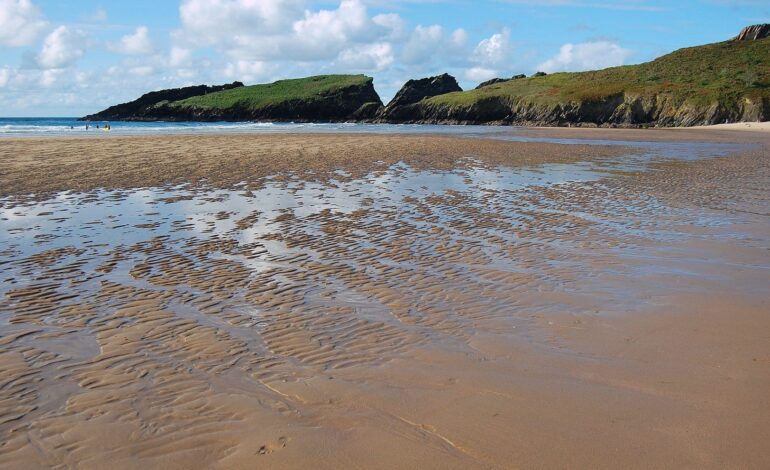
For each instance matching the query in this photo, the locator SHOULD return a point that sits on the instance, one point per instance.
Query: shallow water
(518, 198)
(29, 127)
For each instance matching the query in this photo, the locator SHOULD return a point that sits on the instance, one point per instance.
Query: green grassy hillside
(723, 73)
(271, 94)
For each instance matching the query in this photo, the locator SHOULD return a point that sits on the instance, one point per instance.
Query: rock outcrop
(499, 80)
(754, 32)
(334, 98)
(356, 102)
(143, 108)
(620, 110)
(414, 91)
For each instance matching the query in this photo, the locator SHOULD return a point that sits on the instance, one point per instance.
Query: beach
(548, 298)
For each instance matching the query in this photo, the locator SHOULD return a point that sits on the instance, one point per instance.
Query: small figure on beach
(86, 126)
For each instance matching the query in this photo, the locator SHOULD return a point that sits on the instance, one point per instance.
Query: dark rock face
(414, 91)
(499, 80)
(620, 110)
(141, 108)
(492, 82)
(752, 33)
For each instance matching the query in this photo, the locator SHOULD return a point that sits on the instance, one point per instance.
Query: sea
(70, 126)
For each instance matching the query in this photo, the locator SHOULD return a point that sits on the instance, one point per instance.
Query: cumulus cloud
(489, 56)
(377, 56)
(283, 30)
(493, 50)
(586, 56)
(180, 57)
(247, 70)
(203, 20)
(21, 23)
(61, 48)
(392, 23)
(428, 43)
(137, 43)
(479, 74)
(49, 77)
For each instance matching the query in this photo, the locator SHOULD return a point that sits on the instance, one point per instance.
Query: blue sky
(70, 58)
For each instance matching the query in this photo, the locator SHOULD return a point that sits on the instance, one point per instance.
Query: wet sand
(335, 301)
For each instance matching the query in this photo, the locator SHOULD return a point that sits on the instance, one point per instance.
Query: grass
(723, 72)
(259, 96)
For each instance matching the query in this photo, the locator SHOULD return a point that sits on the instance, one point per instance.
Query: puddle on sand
(476, 233)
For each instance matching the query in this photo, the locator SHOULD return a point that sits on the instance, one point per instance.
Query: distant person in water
(86, 126)
(97, 126)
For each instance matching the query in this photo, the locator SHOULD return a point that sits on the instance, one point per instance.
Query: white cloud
(326, 33)
(479, 74)
(21, 23)
(180, 57)
(248, 71)
(209, 22)
(429, 44)
(49, 77)
(459, 38)
(586, 56)
(489, 55)
(282, 30)
(137, 43)
(494, 50)
(377, 56)
(61, 48)
(392, 22)
(142, 70)
(288, 36)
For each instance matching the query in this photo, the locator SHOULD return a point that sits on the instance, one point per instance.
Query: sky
(71, 58)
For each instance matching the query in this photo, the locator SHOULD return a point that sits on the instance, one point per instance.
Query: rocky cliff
(321, 98)
(621, 110)
(711, 84)
(494, 81)
(143, 107)
(754, 32)
(402, 106)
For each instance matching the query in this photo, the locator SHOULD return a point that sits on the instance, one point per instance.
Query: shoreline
(361, 128)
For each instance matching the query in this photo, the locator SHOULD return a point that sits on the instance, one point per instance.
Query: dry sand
(741, 126)
(390, 317)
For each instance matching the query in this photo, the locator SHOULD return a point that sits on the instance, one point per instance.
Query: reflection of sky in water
(111, 217)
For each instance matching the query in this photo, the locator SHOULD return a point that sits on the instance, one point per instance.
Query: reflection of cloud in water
(112, 217)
